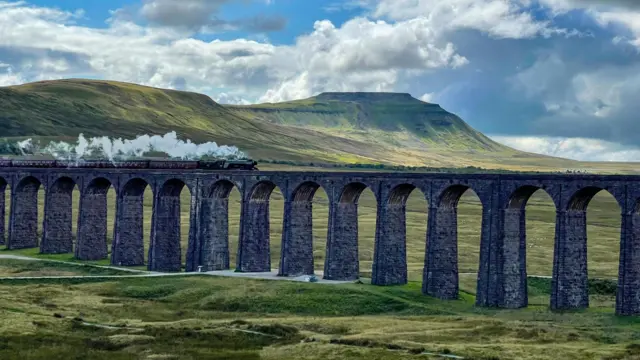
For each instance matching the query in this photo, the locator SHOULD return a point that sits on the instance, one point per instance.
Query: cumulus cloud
(202, 15)
(498, 18)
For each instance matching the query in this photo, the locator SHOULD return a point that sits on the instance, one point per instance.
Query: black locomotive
(246, 164)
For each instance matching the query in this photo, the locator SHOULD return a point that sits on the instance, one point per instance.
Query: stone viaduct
(502, 277)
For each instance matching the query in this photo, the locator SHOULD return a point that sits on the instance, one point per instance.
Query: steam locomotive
(246, 164)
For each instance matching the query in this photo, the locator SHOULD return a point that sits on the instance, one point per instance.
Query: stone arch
(128, 244)
(441, 271)
(305, 191)
(220, 189)
(390, 252)
(343, 240)
(399, 194)
(165, 250)
(351, 193)
(24, 214)
(57, 236)
(214, 219)
(571, 271)
(297, 256)
(450, 197)
(255, 245)
(92, 242)
(3, 188)
(261, 191)
(580, 199)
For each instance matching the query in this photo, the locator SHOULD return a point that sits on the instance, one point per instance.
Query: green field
(203, 317)
(28, 268)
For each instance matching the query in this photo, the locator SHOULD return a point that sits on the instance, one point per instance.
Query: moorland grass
(205, 317)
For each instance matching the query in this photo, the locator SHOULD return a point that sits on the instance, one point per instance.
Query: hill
(387, 128)
(409, 121)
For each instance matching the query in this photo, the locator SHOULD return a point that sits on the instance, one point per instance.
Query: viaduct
(502, 277)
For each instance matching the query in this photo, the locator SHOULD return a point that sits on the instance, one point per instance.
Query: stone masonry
(92, 221)
(58, 236)
(502, 276)
(3, 187)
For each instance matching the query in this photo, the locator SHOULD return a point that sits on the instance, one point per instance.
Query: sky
(558, 77)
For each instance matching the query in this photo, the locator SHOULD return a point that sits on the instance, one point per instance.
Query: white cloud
(361, 54)
(572, 148)
(427, 97)
(226, 98)
(498, 18)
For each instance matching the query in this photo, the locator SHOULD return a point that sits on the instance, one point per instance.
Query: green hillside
(401, 117)
(369, 128)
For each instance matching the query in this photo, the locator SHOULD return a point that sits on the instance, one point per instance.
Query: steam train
(220, 164)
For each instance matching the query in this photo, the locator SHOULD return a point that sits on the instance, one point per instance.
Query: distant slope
(386, 128)
(403, 118)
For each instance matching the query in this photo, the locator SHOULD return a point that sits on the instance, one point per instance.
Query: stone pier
(58, 222)
(390, 251)
(92, 221)
(165, 251)
(341, 262)
(254, 253)
(214, 219)
(127, 248)
(3, 187)
(23, 224)
(297, 237)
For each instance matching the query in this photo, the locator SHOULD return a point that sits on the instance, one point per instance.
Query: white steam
(119, 149)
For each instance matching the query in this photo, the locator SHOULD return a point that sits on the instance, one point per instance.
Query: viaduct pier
(502, 277)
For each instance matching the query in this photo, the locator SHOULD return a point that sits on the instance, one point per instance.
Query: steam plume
(119, 149)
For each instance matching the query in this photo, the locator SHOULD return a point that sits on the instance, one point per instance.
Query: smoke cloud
(119, 149)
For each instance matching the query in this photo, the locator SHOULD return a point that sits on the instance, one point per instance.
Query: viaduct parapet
(502, 276)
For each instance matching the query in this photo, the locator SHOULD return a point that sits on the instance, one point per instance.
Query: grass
(202, 317)
(29, 268)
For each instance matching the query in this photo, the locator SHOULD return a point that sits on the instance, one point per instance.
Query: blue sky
(559, 77)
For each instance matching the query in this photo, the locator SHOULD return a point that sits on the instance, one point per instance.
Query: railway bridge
(502, 276)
